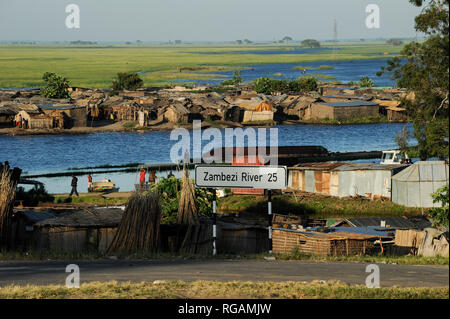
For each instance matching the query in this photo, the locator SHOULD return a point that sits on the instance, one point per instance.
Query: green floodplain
(95, 66)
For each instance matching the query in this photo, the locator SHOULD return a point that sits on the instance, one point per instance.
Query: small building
(342, 110)
(254, 116)
(88, 229)
(66, 116)
(6, 116)
(317, 243)
(413, 186)
(32, 120)
(344, 179)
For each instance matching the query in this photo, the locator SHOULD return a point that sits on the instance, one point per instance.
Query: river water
(344, 71)
(58, 153)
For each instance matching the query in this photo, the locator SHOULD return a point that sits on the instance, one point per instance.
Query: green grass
(314, 206)
(400, 260)
(24, 65)
(130, 124)
(92, 200)
(324, 67)
(214, 289)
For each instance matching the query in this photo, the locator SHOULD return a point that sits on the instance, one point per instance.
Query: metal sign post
(269, 208)
(214, 223)
(246, 176)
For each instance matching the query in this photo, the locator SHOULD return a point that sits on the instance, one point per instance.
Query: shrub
(56, 86)
(33, 196)
(127, 81)
(440, 214)
(169, 190)
(267, 86)
(366, 82)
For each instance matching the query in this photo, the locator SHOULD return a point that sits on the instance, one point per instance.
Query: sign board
(231, 176)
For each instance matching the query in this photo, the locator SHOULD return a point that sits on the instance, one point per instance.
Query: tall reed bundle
(7, 194)
(187, 209)
(139, 229)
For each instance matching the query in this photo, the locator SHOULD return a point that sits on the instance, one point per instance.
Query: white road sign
(266, 177)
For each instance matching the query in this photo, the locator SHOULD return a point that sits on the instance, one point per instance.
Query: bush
(169, 190)
(56, 86)
(34, 195)
(440, 214)
(127, 81)
(365, 82)
(267, 86)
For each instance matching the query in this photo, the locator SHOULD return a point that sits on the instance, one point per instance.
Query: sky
(203, 20)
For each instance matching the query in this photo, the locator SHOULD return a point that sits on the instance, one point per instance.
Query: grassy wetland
(96, 65)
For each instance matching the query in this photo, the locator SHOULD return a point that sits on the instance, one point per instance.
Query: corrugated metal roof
(349, 103)
(60, 107)
(369, 166)
(393, 222)
(318, 166)
(75, 218)
(347, 166)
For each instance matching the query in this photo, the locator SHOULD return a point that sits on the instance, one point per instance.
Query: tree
(395, 42)
(127, 81)
(310, 43)
(287, 39)
(402, 140)
(365, 82)
(237, 77)
(440, 214)
(247, 41)
(56, 86)
(239, 41)
(425, 75)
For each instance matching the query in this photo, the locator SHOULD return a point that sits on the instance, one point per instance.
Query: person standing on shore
(152, 177)
(142, 178)
(89, 181)
(74, 186)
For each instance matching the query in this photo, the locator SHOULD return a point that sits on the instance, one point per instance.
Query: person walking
(74, 186)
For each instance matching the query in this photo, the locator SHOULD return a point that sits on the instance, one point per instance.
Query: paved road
(53, 272)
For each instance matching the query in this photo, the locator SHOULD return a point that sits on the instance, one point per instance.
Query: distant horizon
(143, 42)
(199, 21)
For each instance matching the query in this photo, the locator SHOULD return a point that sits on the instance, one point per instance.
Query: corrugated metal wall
(414, 186)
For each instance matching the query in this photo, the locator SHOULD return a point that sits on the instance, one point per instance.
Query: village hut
(66, 116)
(342, 110)
(318, 243)
(264, 111)
(76, 230)
(32, 120)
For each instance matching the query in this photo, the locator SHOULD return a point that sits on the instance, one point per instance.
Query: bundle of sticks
(8, 183)
(138, 231)
(187, 209)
